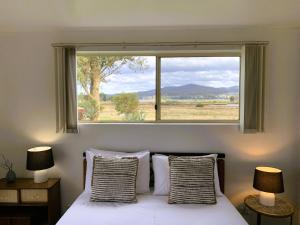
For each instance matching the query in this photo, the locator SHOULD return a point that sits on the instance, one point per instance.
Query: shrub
(91, 108)
(126, 103)
(136, 116)
(199, 105)
(231, 99)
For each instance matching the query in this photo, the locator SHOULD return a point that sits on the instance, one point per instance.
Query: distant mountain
(191, 91)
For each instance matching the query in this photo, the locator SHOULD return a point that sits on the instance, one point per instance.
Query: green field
(176, 110)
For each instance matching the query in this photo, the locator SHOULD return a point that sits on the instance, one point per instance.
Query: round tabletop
(282, 207)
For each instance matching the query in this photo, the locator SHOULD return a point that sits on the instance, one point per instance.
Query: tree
(94, 69)
(126, 103)
(231, 99)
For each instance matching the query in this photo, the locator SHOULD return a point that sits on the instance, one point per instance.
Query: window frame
(169, 54)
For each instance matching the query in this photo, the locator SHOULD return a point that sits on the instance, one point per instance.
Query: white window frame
(235, 52)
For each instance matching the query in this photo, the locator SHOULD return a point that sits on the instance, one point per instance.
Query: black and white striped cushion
(192, 180)
(114, 179)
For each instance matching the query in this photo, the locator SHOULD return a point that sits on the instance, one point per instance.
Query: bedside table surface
(27, 183)
(282, 207)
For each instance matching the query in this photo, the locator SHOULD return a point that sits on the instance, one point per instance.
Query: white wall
(297, 154)
(297, 172)
(27, 115)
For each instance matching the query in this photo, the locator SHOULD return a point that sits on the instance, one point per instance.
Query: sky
(206, 71)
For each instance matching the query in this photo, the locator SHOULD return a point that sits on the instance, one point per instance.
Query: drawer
(4, 221)
(8, 196)
(20, 221)
(34, 195)
(15, 221)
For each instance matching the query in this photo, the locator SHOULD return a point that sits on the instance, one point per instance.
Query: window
(200, 88)
(121, 87)
(115, 88)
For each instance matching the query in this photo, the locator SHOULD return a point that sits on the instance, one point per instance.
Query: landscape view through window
(200, 88)
(124, 89)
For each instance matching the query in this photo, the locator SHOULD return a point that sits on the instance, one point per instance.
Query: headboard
(220, 163)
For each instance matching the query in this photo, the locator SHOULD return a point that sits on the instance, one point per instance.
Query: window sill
(233, 123)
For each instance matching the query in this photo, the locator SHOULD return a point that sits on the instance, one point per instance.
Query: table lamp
(40, 159)
(268, 181)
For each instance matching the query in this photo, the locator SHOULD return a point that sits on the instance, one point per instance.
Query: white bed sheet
(150, 210)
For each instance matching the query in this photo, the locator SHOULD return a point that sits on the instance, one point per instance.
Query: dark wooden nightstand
(281, 209)
(25, 202)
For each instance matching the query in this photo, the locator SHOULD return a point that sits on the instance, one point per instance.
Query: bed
(153, 210)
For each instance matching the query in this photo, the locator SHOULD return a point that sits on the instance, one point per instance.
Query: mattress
(150, 210)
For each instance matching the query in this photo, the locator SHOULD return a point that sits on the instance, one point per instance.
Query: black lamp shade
(39, 158)
(268, 179)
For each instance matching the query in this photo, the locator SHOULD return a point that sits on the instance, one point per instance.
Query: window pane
(115, 88)
(200, 88)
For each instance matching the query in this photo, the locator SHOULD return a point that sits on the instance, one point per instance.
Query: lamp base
(40, 176)
(267, 199)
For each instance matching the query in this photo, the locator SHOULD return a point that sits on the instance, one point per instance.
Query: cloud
(191, 64)
(207, 71)
(131, 82)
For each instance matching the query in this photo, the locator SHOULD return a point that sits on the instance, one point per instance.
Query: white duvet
(150, 210)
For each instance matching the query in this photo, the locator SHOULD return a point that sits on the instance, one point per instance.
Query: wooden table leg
(258, 221)
(291, 220)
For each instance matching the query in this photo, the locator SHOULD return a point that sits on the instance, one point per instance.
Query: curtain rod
(166, 44)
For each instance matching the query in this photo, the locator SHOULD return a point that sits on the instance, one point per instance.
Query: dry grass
(189, 111)
(109, 112)
(177, 111)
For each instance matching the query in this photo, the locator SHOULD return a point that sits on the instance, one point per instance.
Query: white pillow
(143, 175)
(161, 171)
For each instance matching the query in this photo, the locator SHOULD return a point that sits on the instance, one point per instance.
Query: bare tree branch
(6, 164)
(111, 70)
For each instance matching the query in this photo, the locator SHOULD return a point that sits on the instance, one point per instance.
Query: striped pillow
(114, 179)
(192, 180)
